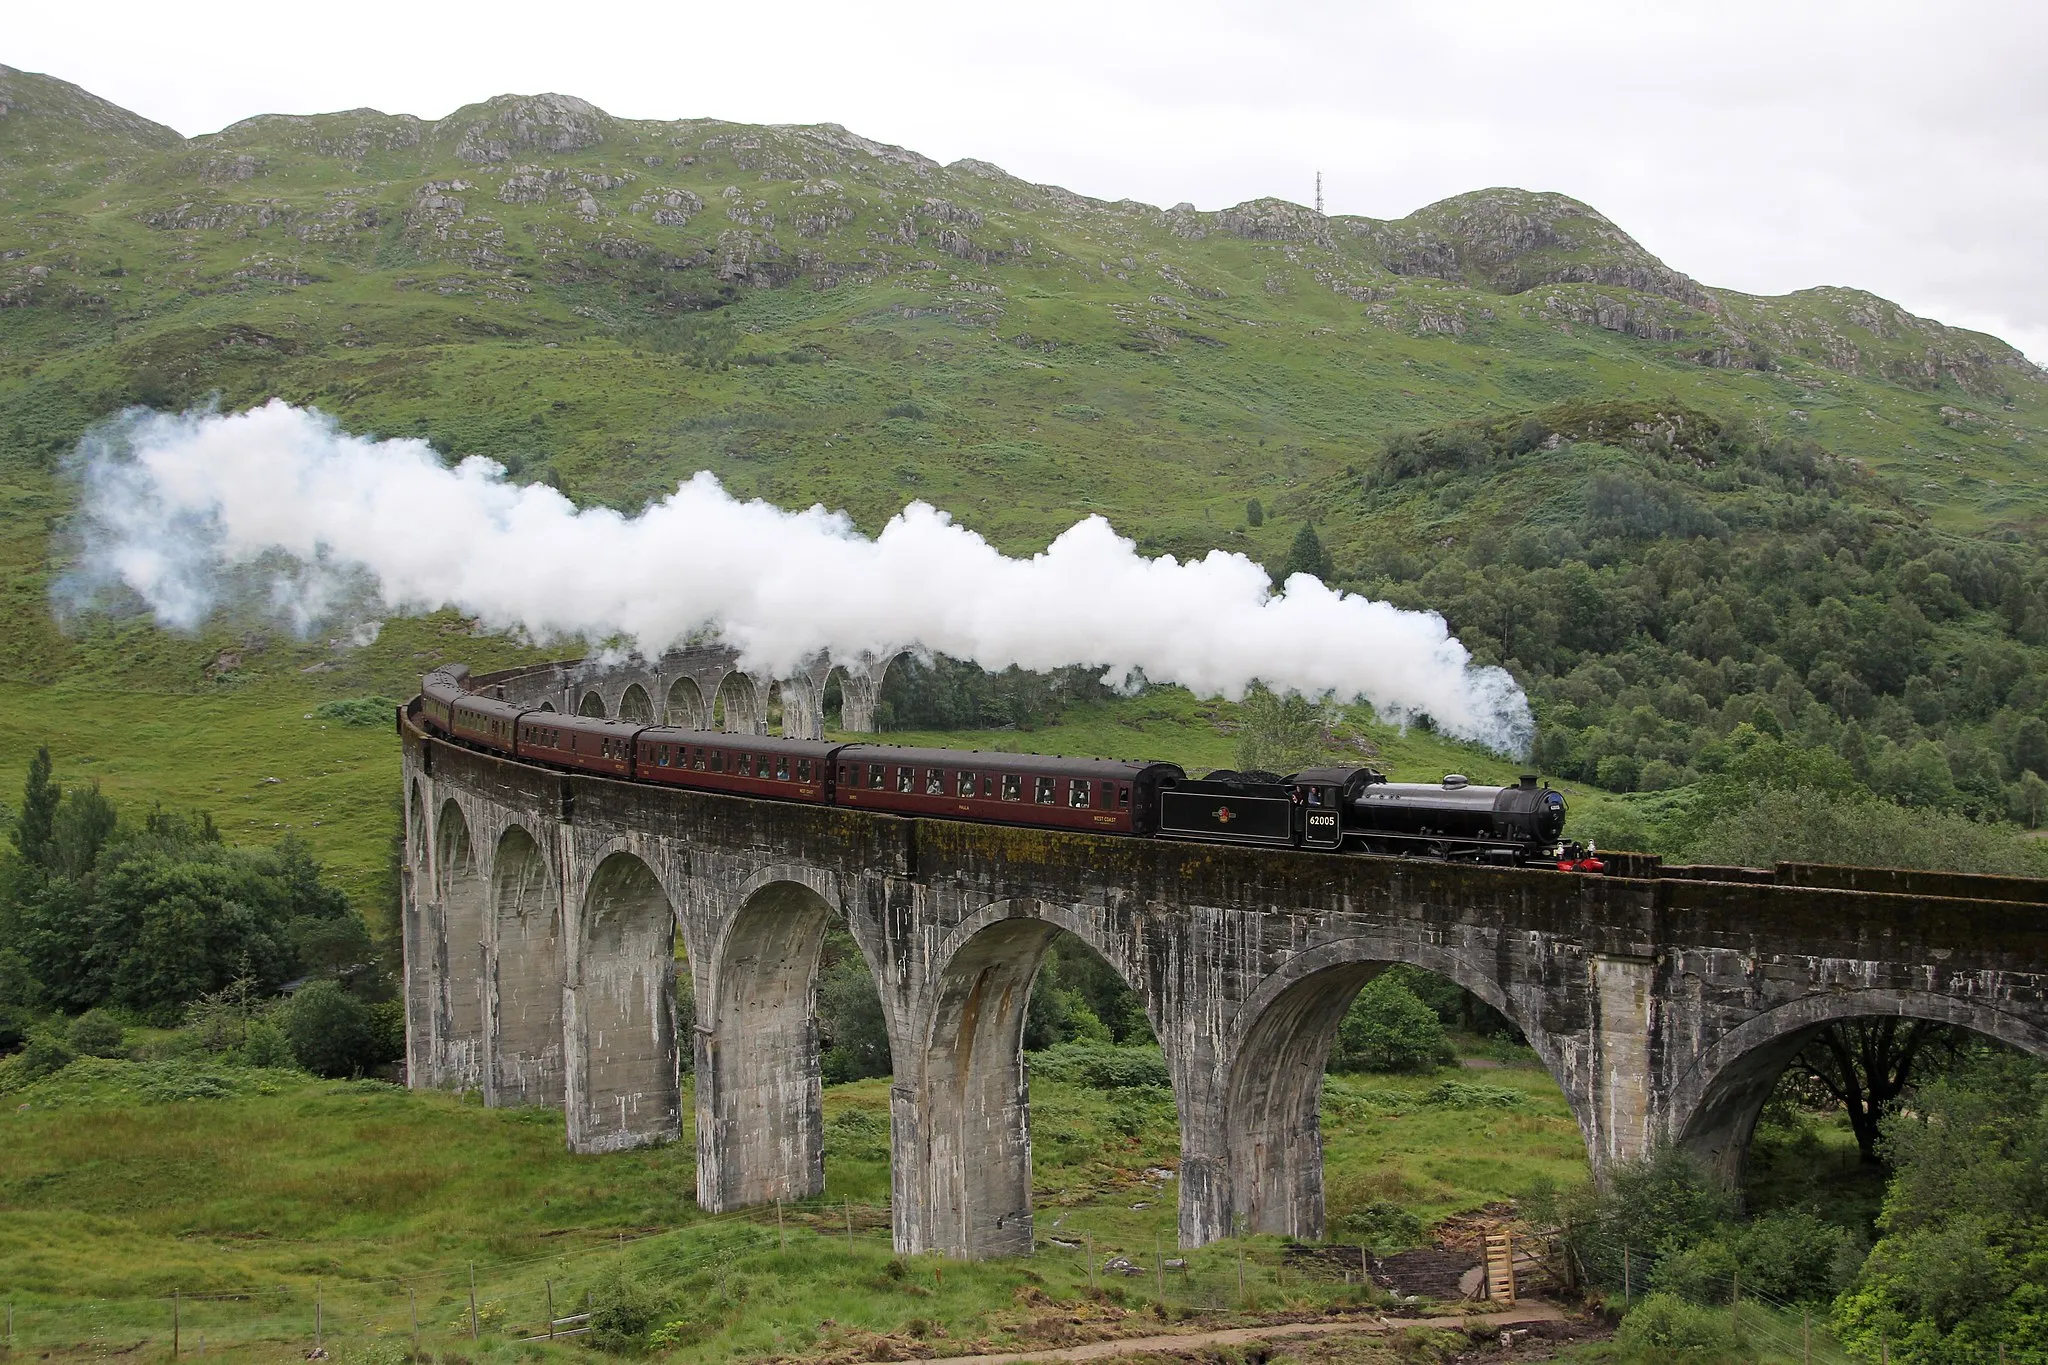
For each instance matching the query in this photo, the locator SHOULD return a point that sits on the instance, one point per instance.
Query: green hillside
(1641, 492)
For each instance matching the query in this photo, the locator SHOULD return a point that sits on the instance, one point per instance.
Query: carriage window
(1077, 793)
(697, 760)
(875, 772)
(906, 778)
(717, 761)
(1013, 787)
(743, 765)
(966, 787)
(782, 769)
(845, 775)
(1042, 792)
(988, 785)
(1315, 796)
(661, 755)
(803, 770)
(934, 782)
(1123, 797)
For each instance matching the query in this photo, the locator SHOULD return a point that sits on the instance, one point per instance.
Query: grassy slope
(115, 1199)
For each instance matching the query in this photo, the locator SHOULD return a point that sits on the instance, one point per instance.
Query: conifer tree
(34, 827)
(1307, 555)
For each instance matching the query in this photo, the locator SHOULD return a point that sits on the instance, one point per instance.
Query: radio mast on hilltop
(1319, 194)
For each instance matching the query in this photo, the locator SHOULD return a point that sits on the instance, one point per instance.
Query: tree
(1254, 514)
(83, 823)
(1277, 734)
(1307, 555)
(39, 798)
(1961, 1267)
(1388, 1029)
(856, 1036)
(1866, 1064)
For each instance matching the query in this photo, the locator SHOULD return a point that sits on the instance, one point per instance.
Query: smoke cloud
(279, 508)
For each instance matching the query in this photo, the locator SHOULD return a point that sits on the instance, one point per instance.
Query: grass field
(124, 1187)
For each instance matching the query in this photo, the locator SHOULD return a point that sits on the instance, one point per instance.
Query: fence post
(1625, 1294)
(1806, 1336)
(551, 1309)
(1088, 1250)
(316, 1315)
(176, 1305)
(1240, 1274)
(413, 1297)
(1884, 1349)
(472, 1299)
(849, 1225)
(1159, 1268)
(781, 1236)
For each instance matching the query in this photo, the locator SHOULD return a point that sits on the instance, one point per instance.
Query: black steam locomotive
(1354, 810)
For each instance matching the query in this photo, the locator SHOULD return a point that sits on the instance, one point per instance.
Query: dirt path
(1519, 1316)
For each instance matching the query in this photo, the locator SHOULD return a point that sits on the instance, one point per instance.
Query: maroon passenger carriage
(1106, 795)
(746, 765)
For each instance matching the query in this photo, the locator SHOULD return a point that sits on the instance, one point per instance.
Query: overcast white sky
(1759, 146)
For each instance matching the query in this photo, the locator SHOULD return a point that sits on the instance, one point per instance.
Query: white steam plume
(192, 511)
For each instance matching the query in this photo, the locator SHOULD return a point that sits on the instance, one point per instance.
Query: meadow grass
(118, 1194)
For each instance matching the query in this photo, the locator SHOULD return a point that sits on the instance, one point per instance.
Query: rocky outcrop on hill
(509, 125)
(1513, 241)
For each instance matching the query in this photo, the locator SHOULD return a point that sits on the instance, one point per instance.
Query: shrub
(1466, 1095)
(330, 1031)
(1388, 1029)
(46, 1055)
(1651, 1208)
(1100, 1066)
(1795, 1257)
(358, 711)
(13, 1030)
(623, 1310)
(858, 1135)
(96, 1033)
(264, 1044)
(1664, 1325)
(1383, 1225)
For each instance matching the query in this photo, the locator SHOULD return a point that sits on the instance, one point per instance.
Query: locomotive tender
(1353, 810)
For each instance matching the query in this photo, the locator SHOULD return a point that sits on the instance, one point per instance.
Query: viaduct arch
(1663, 1001)
(696, 686)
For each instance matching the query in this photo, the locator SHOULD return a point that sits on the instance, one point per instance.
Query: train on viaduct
(544, 912)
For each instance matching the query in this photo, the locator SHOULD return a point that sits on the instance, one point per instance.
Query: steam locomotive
(1355, 810)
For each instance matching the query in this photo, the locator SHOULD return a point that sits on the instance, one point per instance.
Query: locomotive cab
(1320, 796)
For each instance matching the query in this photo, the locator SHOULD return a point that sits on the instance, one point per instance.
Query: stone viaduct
(703, 684)
(545, 915)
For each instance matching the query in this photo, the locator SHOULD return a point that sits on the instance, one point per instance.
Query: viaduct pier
(545, 915)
